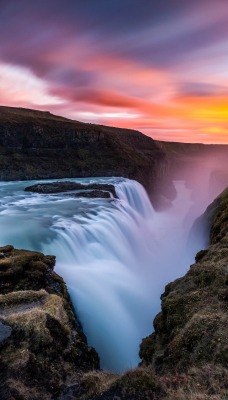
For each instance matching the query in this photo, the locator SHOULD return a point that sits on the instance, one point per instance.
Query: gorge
(116, 253)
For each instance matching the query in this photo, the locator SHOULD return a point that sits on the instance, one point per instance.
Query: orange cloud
(106, 98)
(126, 89)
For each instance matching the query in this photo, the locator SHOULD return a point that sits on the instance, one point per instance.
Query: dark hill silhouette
(39, 145)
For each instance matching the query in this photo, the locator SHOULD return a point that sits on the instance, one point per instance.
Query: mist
(204, 169)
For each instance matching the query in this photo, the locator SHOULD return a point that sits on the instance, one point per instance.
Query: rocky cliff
(39, 145)
(42, 346)
(191, 329)
(202, 167)
(187, 159)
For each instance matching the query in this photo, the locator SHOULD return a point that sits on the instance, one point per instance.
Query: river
(115, 256)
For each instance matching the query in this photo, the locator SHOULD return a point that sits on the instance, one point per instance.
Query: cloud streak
(163, 62)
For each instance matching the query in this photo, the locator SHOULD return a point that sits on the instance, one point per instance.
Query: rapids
(115, 255)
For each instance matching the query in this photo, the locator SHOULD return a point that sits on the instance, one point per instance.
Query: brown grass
(95, 383)
(207, 383)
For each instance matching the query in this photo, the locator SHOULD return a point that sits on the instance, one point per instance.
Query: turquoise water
(115, 256)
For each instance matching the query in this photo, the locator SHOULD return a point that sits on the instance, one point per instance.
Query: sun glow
(155, 69)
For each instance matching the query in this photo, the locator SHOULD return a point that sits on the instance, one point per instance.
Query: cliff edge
(39, 145)
(41, 341)
(191, 329)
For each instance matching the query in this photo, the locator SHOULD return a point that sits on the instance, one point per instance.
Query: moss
(139, 380)
(21, 297)
(95, 383)
(219, 211)
(209, 382)
(192, 326)
(32, 325)
(139, 384)
(46, 343)
(147, 348)
(205, 277)
(6, 249)
(21, 270)
(200, 255)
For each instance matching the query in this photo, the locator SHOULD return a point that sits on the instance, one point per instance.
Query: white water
(115, 255)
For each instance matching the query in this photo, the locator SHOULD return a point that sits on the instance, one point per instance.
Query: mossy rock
(200, 255)
(46, 344)
(192, 327)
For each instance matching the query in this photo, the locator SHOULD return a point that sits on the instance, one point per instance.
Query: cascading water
(115, 256)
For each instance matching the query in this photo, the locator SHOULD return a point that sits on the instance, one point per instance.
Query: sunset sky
(157, 66)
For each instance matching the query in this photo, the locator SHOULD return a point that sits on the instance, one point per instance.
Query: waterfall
(114, 255)
(134, 196)
(104, 258)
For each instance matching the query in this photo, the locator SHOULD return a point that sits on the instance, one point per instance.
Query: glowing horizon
(159, 68)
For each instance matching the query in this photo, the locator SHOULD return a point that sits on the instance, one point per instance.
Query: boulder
(91, 190)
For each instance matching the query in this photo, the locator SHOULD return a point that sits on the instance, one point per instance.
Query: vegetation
(44, 344)
(191, 329)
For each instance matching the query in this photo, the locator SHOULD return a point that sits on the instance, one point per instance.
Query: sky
(160, 67)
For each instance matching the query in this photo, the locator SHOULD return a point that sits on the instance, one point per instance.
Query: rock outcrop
(39, 145)
(41, 342)
(79, 190)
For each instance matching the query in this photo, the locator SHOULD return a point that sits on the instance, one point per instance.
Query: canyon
(125, 251)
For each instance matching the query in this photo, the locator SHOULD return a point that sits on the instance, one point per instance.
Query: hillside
(41, 340)
(39, 145)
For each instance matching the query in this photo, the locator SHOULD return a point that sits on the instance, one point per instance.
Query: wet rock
(5, 332)
(92, 190)
(94, 194)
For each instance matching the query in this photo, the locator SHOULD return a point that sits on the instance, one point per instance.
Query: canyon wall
(39, 145)
(191, 329)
